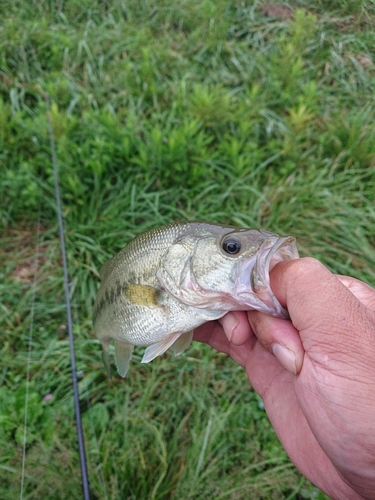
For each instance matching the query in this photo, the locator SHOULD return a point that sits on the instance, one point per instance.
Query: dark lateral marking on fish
(140, 295)
(108, 299)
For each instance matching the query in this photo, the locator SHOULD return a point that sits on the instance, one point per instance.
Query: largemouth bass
(170, 280)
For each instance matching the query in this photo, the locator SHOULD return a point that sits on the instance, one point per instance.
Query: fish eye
(231, 246)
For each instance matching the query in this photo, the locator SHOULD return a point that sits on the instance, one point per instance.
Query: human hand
(320, 396)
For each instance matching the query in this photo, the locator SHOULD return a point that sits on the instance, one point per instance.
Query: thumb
(324, 315)
(324, 311)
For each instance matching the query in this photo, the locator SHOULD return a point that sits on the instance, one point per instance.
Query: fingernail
(286, 357)
(229, 323)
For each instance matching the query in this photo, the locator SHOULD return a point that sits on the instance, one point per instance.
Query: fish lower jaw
(264, 302)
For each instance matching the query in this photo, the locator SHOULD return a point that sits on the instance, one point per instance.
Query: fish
(172, 279)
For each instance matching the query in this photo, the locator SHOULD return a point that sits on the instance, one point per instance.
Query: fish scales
(170, 280)
(135, 264)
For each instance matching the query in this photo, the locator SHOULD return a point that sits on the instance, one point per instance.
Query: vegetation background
(240, 112)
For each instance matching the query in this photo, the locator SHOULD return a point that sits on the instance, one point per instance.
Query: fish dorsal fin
(105, 269)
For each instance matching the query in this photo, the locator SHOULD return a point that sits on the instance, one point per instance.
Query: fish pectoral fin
(123, 355)
(159, 348)
(143, 295)
(182, 343)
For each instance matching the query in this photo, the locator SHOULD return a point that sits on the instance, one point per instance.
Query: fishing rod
(81, 443)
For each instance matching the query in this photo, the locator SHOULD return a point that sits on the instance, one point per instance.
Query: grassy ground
(166, 111)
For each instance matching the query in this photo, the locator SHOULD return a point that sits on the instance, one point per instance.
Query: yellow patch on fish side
(142, 295)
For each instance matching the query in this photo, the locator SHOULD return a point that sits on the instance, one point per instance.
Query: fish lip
(255, 272)
(287, 241)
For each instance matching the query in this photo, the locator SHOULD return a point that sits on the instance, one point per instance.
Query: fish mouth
(257, 271)
(266, 259)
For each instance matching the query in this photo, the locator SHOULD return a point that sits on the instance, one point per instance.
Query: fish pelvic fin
(123, 355)
(182, 343)
(105, 358)
(159, 348)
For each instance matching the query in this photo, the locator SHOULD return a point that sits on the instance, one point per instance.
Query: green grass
(162, 112)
